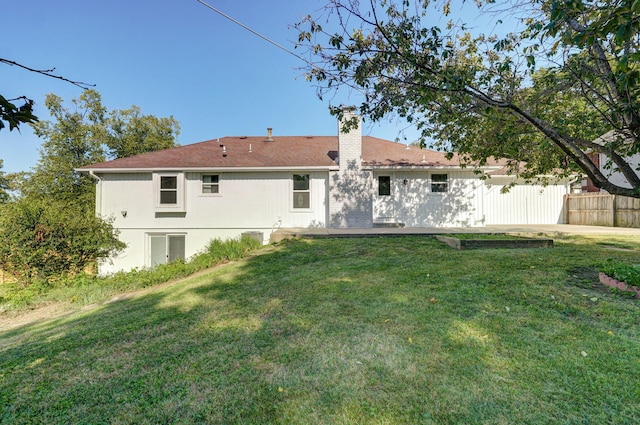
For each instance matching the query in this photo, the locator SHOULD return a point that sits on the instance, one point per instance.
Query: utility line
(265, 38)
(270, 41)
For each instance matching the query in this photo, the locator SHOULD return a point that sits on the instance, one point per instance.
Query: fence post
(565, 209)
(613, 211)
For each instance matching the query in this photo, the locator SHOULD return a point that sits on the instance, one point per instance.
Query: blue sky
(169, 57)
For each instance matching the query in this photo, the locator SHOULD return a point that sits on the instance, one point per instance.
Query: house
(169, 204)
(606, 166)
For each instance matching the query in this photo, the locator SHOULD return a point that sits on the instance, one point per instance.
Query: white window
(301, 191)
(439, 183)
(169, 192)
(210, 184)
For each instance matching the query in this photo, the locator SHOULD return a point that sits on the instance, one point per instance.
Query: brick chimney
(350, 141)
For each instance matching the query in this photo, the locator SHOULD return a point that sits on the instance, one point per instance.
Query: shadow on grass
(370, 331)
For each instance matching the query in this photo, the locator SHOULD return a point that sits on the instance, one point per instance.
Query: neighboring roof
(282, 152)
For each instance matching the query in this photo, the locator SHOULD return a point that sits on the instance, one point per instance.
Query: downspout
(98, 192)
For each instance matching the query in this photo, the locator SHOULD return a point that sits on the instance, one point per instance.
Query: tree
(52, 228)
(86, 134)
(131, 133)
(40, 239)
(15, 115)
(541, 94)
(4, 186)
(75, 138)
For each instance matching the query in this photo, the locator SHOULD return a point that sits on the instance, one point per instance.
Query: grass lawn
(345, 331)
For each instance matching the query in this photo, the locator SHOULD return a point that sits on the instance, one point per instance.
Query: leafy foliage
(82, 286)
(51, 232)
(87, 133)
(542, 93)
(4, 186)
(40, 239)
(624, 272)
(15, 115)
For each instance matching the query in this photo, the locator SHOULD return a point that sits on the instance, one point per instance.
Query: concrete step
(388, 225)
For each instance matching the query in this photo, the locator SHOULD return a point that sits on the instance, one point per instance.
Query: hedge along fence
(602, 209)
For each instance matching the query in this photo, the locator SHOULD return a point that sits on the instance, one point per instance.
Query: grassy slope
(400, 330)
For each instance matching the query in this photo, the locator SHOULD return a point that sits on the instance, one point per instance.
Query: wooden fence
(602, 209)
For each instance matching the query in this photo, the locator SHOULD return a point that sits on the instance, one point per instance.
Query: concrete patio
(549, 230)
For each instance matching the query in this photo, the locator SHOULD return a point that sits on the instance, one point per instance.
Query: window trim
(438, 183)
(168, 190)
(166, 236)
(203, 184)
(294, 191)
(380, 186)
(180, 192)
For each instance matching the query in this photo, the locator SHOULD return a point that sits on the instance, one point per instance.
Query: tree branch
(48, 73)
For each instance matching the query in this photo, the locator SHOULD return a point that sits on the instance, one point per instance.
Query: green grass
(84, 289)
(345, 331)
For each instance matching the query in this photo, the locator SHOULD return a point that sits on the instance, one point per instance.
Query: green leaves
(16, 115)
(568, 75)
(44, 238)
(86, 133)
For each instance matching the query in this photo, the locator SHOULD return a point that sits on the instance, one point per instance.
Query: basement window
(439, 183)
(301, 191)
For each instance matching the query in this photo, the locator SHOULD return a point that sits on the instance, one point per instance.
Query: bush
(91, 288)
(46, 240)
(623, 272)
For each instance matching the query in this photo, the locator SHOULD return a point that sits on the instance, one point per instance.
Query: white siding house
(171, 203)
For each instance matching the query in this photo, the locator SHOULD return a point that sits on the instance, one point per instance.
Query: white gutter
(92, 174)
(427, 167)
(207, 169)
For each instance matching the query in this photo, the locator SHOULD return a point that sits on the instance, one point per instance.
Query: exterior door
(384, 203)
(165, 248)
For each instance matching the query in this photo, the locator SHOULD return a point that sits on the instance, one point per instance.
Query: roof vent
(269, 135)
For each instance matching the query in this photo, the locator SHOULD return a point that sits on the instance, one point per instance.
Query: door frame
(167, 237)
(385, 204)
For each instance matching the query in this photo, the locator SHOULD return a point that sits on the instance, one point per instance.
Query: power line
(270, 41)
(265, 38)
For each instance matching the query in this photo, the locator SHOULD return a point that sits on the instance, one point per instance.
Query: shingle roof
(283, 151)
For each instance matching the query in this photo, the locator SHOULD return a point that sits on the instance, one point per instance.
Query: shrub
(87, 287)
(42, 239)
(627, 273)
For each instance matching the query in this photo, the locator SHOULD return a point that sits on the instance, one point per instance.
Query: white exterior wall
(613, 175)
(413, 204)
(263, 201)
(246, 202)
(524, 203)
